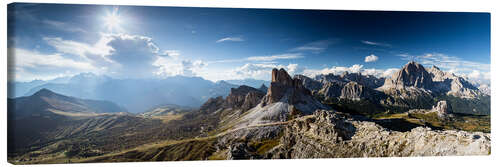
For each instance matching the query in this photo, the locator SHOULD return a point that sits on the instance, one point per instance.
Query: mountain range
(131, 93)
(417, 111)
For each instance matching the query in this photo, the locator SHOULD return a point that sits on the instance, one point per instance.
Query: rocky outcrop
(252, 99)
(431, 79)
(411, 75)
(331, 90)
(212, 105)
(346, 77)
(281, 84)
(243, 97)
(450, 84)
(285, 98)
(330, 86)
(442, 109)
(240, 150)
(414, 86)
(366, 80)
(329, 134)
(309, 83)
(485, 89)
(461, 88)
(285, 89)
(354, 91)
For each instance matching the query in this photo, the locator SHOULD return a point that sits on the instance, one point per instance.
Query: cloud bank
(116, 55)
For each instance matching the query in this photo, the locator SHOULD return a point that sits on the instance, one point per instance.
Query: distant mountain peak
(44, 92)
(263, 88)
(412, 74)
(435, 67)
(222, 82)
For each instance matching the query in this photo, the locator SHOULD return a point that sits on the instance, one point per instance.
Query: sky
(47, 41)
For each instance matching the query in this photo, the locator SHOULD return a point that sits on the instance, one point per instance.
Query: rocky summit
(285, 98)
(415, 76)
(412, 74)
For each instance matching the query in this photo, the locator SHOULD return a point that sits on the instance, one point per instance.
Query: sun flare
(113, 21)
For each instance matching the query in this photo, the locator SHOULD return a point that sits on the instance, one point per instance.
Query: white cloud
(371, 58)
(172, 53)
(86, 51)
(276, 57)
(261, 71)
(314, 47)
(337, 70)
(133, 56)
(376, 43)
(168, 66)
(262, 58)
(117, 55)
(380, 72)
(234, 39)
(28, 65)
(334, 70)
(63, 26)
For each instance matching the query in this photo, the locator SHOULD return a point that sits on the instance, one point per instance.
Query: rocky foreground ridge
(327, 133)
(332, 134)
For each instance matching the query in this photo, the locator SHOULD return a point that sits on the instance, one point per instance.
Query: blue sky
(49, 41)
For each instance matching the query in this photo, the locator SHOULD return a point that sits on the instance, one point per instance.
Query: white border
(399, 5)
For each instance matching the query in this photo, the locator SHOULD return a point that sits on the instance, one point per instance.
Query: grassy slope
(469, 123)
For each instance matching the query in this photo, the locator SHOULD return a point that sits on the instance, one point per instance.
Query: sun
(113, 21)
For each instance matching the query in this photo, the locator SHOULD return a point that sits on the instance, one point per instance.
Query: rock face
(411, 75)
(451, 84)
(461, 88)
(285, 98)
(329, 134)
(309, 83)
(366, 80)
(285, 89)
(414, 75)
(331, 90)
(354, 91)
(252, 99)
(442, 109)
(330, 86)
(280, 83)
(486, 89)
(212, 104)
(414, 86)
(243, 97)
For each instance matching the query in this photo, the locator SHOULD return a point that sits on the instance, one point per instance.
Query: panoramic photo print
(101, 83)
